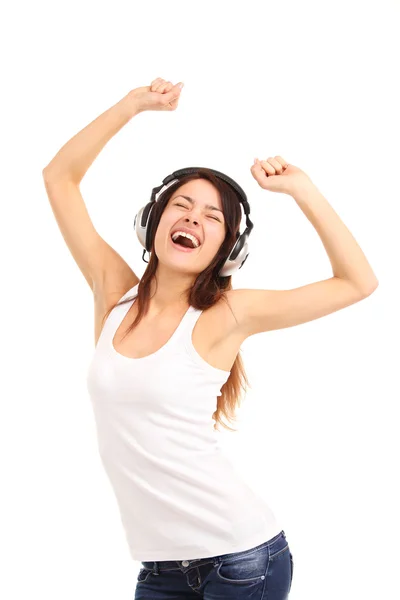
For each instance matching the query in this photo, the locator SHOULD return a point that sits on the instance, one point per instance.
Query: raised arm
(97, 260)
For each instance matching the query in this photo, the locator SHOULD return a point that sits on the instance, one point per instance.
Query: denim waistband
(185, 564)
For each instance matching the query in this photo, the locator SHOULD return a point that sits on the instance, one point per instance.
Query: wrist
(306, 193)
(302, 189)
(129, 105)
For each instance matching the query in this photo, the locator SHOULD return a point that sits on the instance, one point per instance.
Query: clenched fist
(160, 95)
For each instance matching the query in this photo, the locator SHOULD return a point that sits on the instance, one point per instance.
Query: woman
(167, 362)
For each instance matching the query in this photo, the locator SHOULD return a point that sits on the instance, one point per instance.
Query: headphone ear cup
(236, 258)
(142, 224)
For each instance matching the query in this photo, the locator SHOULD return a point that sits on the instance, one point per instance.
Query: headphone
(239, 252)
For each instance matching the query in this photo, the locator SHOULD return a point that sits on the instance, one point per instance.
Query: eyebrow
(192, 201)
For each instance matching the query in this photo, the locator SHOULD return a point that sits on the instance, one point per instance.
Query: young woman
(167, 362)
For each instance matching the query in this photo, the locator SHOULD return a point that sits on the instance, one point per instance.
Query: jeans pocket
(143, 575)
(248, 568)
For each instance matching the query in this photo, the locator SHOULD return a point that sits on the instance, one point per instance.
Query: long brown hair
(207, 288)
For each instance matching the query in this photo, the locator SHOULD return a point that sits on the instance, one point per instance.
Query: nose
(194, 221)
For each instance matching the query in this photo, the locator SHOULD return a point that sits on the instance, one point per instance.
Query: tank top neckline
(163, 348)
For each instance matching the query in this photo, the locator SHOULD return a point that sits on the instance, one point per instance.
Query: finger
(258, 172)
(170, 99)
(257, 166)
(155, 82)
(282, 161)
(269, 169)
(276, 164)
(164, 87)
(174, 93)
(160, 86)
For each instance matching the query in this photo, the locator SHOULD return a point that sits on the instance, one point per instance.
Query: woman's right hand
(160, 95)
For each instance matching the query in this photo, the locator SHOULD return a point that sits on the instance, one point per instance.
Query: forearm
(347, 259)
(76, 156)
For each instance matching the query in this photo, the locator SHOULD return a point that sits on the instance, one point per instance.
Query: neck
(169, 290)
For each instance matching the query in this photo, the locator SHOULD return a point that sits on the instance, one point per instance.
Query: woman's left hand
(276, 175)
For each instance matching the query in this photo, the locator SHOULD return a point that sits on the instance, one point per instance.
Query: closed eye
(212, 216)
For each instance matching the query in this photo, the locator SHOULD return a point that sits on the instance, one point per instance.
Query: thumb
(174, 92)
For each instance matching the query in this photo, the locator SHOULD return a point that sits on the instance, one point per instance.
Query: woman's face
(200, 218)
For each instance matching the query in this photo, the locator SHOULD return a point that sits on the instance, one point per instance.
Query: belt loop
(156, 567)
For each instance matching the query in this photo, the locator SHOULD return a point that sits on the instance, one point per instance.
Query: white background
(313, 82)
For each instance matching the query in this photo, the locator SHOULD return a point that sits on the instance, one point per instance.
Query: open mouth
(184, 244)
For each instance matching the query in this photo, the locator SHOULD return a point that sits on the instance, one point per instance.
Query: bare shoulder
(223, 318)
(216, 335)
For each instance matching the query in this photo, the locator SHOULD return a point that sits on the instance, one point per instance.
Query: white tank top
(179, 496)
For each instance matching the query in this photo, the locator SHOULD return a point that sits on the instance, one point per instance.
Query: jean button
(185, 563)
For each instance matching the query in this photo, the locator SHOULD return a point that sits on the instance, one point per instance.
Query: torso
(215, 337)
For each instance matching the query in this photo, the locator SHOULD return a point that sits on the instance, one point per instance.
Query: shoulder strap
(188, 324)
(117, 314)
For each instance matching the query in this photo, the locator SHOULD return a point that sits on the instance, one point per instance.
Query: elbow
(51, 175)
(46, 174)
(370, 288)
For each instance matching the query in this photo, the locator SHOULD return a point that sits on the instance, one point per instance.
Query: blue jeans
(261, 573)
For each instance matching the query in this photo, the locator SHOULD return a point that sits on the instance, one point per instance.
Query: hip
(264, 572)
